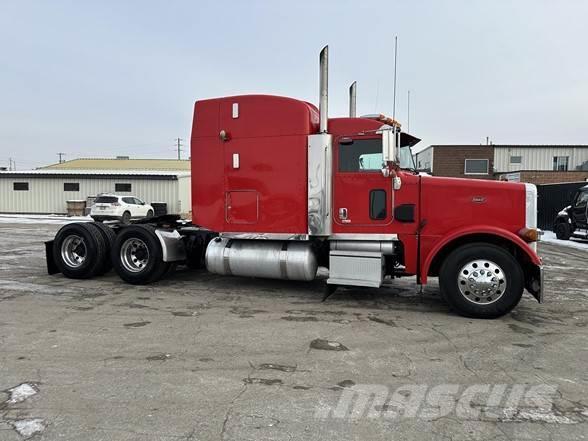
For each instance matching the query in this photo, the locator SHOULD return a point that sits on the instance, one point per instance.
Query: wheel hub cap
(73, 251)
(481, 281)
(134, 255)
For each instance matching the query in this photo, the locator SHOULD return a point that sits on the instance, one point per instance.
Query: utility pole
(61, 155)
(179, 146)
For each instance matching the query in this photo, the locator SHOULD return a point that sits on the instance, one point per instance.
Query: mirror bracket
(396, 183)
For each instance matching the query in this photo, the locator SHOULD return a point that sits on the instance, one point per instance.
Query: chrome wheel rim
(134, 255)
(74, 251)
(481, 282)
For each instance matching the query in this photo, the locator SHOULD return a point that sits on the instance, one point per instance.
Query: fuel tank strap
(226, 257)
(284, 261)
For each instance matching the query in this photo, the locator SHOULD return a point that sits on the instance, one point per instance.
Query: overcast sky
(108, 78)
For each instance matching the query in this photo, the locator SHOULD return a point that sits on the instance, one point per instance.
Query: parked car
(573, 220)
(121, 208)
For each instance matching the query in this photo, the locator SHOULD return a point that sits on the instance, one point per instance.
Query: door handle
(343, 213)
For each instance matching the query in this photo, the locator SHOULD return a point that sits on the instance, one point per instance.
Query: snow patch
(13, 285)
(21, 392)
(28, 428)
(41, 219)
(549, 237)
(535, 416)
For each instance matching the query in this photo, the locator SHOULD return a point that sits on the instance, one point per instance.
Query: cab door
(362, 196)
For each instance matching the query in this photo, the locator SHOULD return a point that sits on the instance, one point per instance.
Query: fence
(551, 198)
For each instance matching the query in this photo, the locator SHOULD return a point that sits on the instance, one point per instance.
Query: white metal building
(47, 191)
(447, 160)
(540, 157)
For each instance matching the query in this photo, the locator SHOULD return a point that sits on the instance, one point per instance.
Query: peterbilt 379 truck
(279, 189)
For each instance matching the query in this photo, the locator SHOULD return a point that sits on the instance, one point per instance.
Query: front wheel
(481, 280)
(563, 231)
(149, 214)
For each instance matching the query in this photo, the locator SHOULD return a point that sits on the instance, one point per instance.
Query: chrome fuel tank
(290, 260)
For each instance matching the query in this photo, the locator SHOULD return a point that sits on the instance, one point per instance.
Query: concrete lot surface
(204, 357)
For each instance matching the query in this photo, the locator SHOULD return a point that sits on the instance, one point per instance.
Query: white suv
(121, 208)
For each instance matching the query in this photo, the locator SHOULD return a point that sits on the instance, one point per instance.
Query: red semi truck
(279, 189)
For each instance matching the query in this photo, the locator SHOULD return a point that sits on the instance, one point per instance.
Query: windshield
(405, 158)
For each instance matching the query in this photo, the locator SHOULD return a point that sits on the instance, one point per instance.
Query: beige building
(122, 163)
(46, 191)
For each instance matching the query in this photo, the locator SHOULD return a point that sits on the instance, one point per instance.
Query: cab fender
(481, 233)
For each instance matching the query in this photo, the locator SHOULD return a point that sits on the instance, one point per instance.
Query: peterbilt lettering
(280, 189)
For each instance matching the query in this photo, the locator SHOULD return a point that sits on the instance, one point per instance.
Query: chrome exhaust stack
(320, 161)
(353, 100)
(324, 90)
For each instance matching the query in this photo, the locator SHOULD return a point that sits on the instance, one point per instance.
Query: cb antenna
(395, 62)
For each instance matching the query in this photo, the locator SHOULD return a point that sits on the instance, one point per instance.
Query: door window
(360, 155)
(378, 209)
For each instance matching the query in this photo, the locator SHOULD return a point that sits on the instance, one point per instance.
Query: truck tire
(108, 235)
(563, 231)
(481, 280)
(137, 256)
(79, 251)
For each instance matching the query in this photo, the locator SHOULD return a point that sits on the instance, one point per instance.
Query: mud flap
(51, 267)
(535, 284)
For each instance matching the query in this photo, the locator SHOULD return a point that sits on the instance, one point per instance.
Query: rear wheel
(79, 251)
(481, 280)
(108, 235)
(563, 231)
(137, 256)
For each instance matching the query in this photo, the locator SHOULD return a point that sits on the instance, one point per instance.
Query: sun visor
(407, 140)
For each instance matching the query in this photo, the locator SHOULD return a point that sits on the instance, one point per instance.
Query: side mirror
(388, 145)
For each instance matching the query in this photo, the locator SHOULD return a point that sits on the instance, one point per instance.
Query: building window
(476, 166)
(560, 163)
(20, 186)
(71, 186)
(123, 188)
(516, 159)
